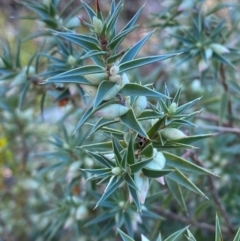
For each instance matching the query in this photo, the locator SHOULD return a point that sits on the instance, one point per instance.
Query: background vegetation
(50, 176)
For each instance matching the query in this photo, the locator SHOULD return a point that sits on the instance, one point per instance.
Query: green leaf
(147, 151)
(130, 151)
(132, 64)
(23, 94)
(111, 23)
(129, 180)
(190, 236)
(101, 147)
(134, 195)
(103, 89)
(218, 235)
(98, 171)
(130, 121)
(156, 126)
(84, 118)
(100, 218)
(223, 60)
(102, 159)
(113, 184)
(132, 52)
(176, 191)
(149, 114)
(234, 86)
(119, 38)
(181, 179)
(155, 173)
(183, 107)
(177, 95)
(89, 10)
(223, 107)
(139, 165)
(74, 75)
(134, 19)
(237, 237)
(86, 42)
(116, 150)
(175, 235)
(190, 139)
(124, 236)
(100, 124)
(184, 165)
(134, 89)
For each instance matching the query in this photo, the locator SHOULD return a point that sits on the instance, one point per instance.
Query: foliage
(98, 134)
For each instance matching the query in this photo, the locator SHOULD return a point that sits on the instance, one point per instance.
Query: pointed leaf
(134, 89)
(237, 237)
(132, 64)
(102, 159)
(132, 52)
(74, 75)
(218, 235)
(89, 10)
(190, 139)
(139, 165)
(113, 184)
(124, 236)
(130, 121)
(176, 191)
(156, 126)
(103, 89)
(184, 165)
(181, 179)
(130, 151)
(155, 173)
(175, 235)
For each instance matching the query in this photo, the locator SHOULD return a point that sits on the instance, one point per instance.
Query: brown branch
(186, 220)
(214, 193)
(222, 78)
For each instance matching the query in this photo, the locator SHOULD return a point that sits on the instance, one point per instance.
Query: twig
(214, 193)
(186, 220)
(220, 128)
(222, 79)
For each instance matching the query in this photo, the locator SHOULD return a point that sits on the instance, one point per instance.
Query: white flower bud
(112, 111)
(125, 80)
(158, 162)
(73, 22)
(116, 171)
(142, 183)
(172, 133)
(115, 78)
(81, 212)
(114, 70)
(112, 92)
(98, 25)
(208, 53)
(89, 89)
(219, 49)
(88, 162)
(139, 105)
(73, 171)
(69, 222)
(96, 78)
(202, 65)
(71, 60)
(172, 108)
